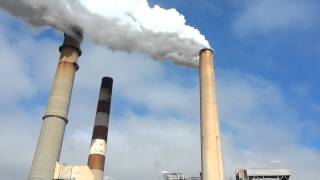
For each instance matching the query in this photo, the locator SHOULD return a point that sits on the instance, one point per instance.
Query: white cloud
(162, 34)
(264, 16)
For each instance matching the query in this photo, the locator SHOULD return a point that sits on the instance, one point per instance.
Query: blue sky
(267, 61)
(282, 48)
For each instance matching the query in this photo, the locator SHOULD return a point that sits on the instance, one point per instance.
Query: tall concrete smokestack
(56, 117)
(211, 152)
(98, 147)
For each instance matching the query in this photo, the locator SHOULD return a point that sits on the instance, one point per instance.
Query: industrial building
(263, 174)
(178, 176)
(46, 165)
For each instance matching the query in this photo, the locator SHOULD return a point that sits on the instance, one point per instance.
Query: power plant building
(178, 176)
(263, 174)
(46, 165)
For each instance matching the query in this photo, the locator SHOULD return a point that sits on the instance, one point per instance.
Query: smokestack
(211, 152)
(98, 147)
(56, 117)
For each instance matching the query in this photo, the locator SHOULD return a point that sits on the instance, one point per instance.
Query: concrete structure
(178, 176)
(56, 117)
(67, 172)
(173, 176)
(98, 147)
(267, 174)
(211, 152)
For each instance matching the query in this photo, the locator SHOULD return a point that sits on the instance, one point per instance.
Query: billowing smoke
(121, 25)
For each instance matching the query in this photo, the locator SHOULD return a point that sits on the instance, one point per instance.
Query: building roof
(268, 172)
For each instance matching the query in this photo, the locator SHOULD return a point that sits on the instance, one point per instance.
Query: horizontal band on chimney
(98, 146)
(71, 46)
(67, 63)
(104, 106)
(100, 132)
(55, 116)
(96, 161)
(102, 119)
(105, 94)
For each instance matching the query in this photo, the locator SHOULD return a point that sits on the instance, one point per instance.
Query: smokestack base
(205, 49)
(73, 39)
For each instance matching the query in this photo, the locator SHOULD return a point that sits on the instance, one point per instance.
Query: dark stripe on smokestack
(56, 117)
(98, 147)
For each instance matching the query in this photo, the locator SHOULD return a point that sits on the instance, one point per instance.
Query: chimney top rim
(205, 49)
(106, 82)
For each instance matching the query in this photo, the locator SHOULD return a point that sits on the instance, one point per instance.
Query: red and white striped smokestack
(211, 151)
(98, 147)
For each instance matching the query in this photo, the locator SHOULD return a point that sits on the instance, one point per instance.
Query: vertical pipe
(211, 152)
(55, 119)
(98, 147)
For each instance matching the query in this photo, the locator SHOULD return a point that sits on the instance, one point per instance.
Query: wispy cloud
(264, 16)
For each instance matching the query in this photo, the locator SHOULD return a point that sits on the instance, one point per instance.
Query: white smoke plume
(121, 25)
